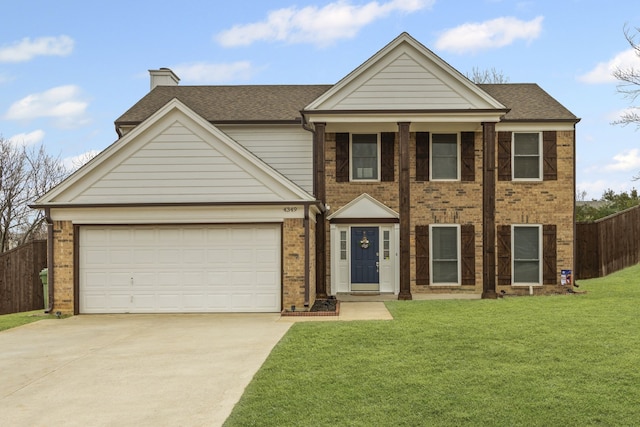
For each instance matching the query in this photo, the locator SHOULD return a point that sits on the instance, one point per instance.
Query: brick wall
(293, 264)
(549, 202)
(63, 267)
(545, 202)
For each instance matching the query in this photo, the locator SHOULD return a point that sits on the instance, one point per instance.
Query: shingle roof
(230, 103)
(528, 102)
(275, 103)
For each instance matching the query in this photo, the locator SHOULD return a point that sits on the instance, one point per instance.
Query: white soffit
(127, 172)
(364, 206)
(404, 75)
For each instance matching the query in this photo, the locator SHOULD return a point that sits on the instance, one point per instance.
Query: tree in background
(25, 175)
(487, 76)
(609, 204)
(629, 79)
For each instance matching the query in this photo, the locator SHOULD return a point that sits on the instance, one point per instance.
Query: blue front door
(364, 259)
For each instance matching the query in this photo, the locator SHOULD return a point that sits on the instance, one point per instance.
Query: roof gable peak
(404, 75)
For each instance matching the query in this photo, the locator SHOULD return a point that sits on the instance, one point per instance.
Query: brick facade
(293, 264)
(460, 202)
(63, 261)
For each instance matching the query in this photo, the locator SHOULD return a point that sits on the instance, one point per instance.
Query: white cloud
(27, 49)
(202, 72)
(316, 25)
(475, 36)
(628, 160)
(603, 72)
(30, 138)
(62, 103)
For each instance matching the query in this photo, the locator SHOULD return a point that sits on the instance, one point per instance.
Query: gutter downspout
(50, 269)
(306, 255)
(307, 127)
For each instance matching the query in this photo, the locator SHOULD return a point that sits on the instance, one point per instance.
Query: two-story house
(403, 178)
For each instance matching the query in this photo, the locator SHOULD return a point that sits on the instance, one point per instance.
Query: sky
(69, 68)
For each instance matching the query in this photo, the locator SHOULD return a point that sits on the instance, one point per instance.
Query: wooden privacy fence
(20, 284)
(608, 244)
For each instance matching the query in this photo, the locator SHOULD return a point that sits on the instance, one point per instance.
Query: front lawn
(8, 321)
(571, 360)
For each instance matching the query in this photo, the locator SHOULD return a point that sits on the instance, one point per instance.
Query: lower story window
(445, 250)
(526, 254)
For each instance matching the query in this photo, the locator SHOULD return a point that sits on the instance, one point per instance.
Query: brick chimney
(163, 77)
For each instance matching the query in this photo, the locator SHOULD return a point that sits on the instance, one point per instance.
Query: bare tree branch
(487, 76)
(25, 175)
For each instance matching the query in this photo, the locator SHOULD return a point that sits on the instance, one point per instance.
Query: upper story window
(527, 158)
(365, 159)
(445, 156)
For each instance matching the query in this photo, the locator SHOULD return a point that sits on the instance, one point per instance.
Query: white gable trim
(117, 152)
(364, 206)
(402, 45)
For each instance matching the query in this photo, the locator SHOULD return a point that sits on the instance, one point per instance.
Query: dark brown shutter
(504, 255)
(550, 155)
(468, 251)
(504, 156)
(342, 157)
(467, 156)
(387, 141)
(422, 156)
(422, 254)
(549, 272)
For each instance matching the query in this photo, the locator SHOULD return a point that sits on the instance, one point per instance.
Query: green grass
(571, 360)
(8, 321)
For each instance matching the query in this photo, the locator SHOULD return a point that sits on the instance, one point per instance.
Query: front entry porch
(364, 236)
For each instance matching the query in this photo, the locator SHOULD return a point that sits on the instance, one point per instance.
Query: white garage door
(180, 269)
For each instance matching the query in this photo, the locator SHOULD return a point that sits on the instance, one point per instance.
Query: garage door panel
(168, 256)
(119, 235)
(180, 269)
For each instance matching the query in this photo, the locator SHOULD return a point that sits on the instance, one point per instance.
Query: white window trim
(459, 254)
(540, 158)
(458, 154)
(378, 152)
(513, 258)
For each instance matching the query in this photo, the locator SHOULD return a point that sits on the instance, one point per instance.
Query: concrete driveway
(159, 370)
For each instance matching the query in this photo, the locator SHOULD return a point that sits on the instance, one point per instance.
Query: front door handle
(377, 267)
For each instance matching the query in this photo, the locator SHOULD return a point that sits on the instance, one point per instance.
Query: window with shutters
(365, 157)
(527, 248)
(445, 254)
(527, 156)
(445, 157)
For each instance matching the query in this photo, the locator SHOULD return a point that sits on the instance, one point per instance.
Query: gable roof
(405, 75)
(528, 102)
(229, 104)
(146, 166)
(364, 206)
(440, 85)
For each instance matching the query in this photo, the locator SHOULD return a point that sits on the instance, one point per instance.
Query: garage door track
(161, 370)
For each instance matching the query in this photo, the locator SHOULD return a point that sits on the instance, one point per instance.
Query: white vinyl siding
(287, 149)
(180, 268)
(404, 83)
(178, 165)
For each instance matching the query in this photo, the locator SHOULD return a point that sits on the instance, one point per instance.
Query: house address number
(290, 209)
